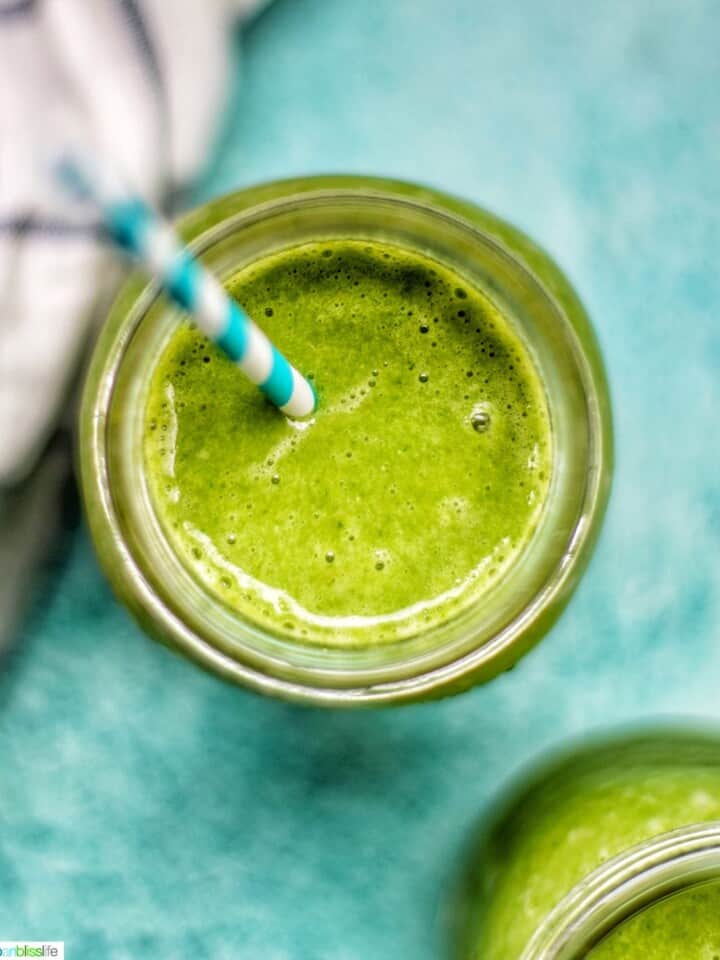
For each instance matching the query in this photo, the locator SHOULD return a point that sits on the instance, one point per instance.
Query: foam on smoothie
(409, 494)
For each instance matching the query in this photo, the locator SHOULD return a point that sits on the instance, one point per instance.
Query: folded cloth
(141, 82)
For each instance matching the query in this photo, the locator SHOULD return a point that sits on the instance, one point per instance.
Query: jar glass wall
(478, 642)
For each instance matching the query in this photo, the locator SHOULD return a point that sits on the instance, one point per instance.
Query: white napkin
(139, 80)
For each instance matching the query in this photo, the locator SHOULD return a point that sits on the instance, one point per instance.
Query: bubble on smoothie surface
(480, 419)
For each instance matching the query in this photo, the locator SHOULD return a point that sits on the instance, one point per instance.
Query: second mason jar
(611, 852)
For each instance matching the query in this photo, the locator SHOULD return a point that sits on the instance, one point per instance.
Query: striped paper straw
(137, 229)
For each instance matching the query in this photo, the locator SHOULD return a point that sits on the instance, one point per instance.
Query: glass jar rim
(624, 885)
(204, 228)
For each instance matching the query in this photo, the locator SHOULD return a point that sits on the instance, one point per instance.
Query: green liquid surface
(565, 828)
(685, 926)
(405, 498)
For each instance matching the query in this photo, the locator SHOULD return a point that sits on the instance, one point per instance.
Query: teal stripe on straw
(183, 281)
(234, 338)
(279, 385)
(128, 222)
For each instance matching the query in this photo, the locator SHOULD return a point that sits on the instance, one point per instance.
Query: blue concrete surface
(148, 810)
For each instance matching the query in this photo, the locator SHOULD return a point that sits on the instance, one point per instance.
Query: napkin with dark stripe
(140, 82)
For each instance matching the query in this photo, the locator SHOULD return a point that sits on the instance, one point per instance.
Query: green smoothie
(410, 493)
(685, 926)
(580, 814)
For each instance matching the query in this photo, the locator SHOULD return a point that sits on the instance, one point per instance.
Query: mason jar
(480, 641)
(611, 852)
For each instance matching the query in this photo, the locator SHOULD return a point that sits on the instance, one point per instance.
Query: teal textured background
(148, 810)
